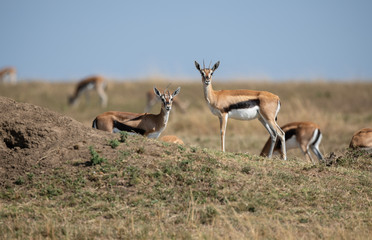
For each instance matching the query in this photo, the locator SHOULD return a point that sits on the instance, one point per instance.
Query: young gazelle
(150, 125)
(362, 139)
(171, 139)
(242, 105)
(304, 135)
(95, 82)
(152, 99)
(8, 73)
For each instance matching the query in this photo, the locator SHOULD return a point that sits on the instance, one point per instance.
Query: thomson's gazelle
(150, 125)
(303, 135)
(94, 82)
(242, 105)
(152, 99)
(171, 139)
(362, 139)
(8, 73)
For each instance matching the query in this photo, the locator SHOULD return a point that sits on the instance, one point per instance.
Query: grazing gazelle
(152, 99)
(147, 124)
(8, 73)
(94, 82)
(362, 139)
(242, 105)
(304, 135)
(171, 139)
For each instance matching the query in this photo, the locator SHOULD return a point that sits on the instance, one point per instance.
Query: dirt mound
(35, 139)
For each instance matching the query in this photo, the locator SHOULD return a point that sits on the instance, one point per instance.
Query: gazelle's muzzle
(168, 106)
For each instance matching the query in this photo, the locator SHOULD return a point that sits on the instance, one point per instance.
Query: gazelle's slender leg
(102, 96)
(305, 150)
(223, 124)
(272, 133)
(315, 149)
(281, 135)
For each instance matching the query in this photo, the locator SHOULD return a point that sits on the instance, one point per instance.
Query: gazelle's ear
(215, 66)
(157, 93)
(197, 65)
(176, 92)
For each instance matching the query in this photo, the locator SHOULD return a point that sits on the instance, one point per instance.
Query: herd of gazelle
(225, 104)
(236, 104)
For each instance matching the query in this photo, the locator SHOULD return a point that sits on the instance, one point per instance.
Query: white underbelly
(244, 113)
(154, 134)
(291, 143)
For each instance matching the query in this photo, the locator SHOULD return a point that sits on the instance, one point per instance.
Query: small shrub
(246, 170)
(19, 181)
(132, 173)
(95, 159)
(114, 143)
(123, 136)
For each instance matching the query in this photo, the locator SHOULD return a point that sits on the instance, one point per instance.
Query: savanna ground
(70, 181)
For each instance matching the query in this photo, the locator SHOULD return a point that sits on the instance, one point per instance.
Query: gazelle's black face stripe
(242, 105)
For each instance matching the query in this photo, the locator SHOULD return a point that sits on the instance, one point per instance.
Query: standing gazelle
(8, 73)
(94, 82)
(304, 135)
(362, 139)
(147, 124)
(242, 105)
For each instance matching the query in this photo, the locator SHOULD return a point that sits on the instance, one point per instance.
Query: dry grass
(153, 190)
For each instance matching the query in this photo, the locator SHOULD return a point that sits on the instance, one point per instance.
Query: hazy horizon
(272, 40)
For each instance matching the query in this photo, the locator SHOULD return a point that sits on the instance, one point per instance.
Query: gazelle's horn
(166, 88)
(210, 64)
(203, 64)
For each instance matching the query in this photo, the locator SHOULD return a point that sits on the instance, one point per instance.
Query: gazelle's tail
(94, 124)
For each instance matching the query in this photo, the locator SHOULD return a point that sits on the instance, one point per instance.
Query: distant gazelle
(97, 83)
(303, 135)
(152, 99)
(171, 139)
(242, 105)
(362, 139)
(8, 74)
(150, 125)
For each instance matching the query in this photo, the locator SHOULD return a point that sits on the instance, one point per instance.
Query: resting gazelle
(152, 99)
(242, 105)
(304, 135)
(94, 82)
(362, 139)
(171, 139)
(146, 124)
(8, 73)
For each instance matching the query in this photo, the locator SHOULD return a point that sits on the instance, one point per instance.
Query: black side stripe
(288, 135)
(242, 105)
(123, 127)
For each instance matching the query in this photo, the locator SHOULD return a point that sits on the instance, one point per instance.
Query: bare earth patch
(35, 135)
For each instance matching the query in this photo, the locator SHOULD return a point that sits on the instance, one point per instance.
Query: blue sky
(275, 40)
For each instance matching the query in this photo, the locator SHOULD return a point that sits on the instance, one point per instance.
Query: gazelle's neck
(208, 92)
(163, 115)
